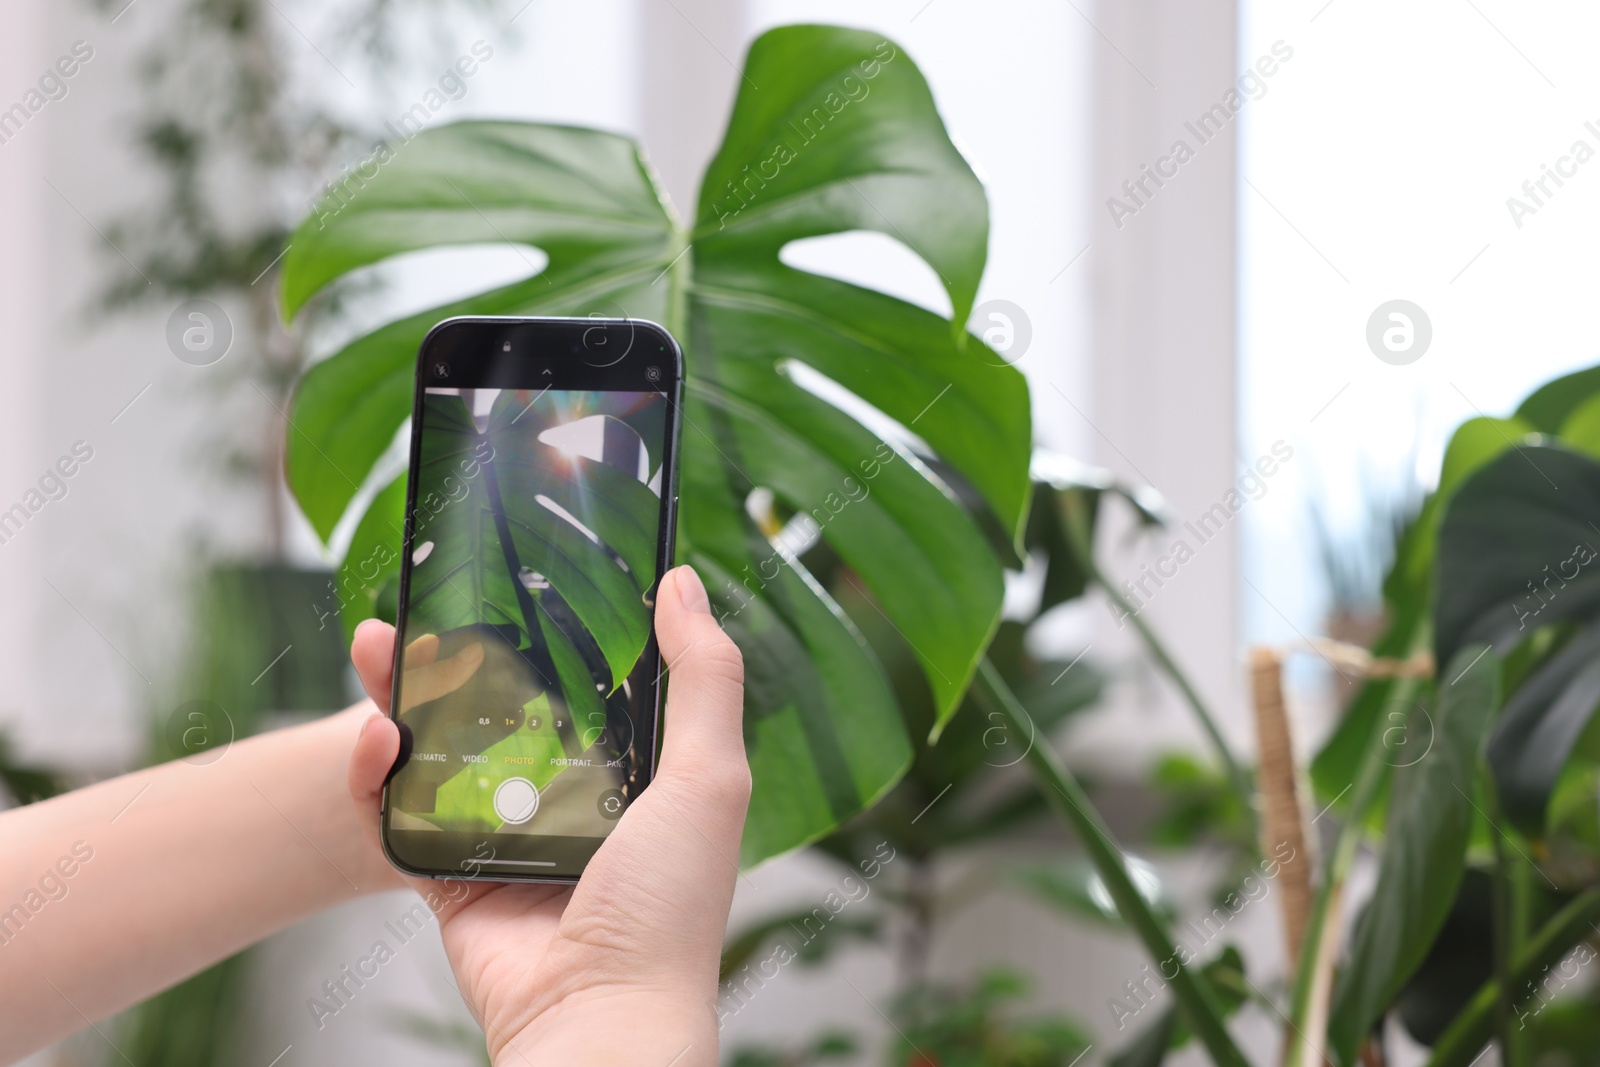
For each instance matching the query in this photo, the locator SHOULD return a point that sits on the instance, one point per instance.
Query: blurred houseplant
(1489, 874)
(1469, 761)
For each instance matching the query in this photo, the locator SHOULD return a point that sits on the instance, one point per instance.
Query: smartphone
(540, 509)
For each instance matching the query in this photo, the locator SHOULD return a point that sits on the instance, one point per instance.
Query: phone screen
(527, 677)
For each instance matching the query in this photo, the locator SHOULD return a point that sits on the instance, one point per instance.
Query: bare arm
(114, 892)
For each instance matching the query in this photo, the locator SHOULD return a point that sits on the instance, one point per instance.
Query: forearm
(171, 869)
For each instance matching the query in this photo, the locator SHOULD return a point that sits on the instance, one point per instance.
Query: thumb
(702, 753)
(376, 748)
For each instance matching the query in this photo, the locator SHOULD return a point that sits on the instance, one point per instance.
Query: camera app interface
(525, 681)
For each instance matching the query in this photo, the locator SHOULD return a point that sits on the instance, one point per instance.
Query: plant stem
(1474, 1026)
(1369, 778)
(1504, 945)
(1194, 995)
(1078, 531)
(1370, 775)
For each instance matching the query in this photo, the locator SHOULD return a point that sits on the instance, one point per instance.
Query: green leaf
(1518, 550)
(1540, 727)
(1460, 960)
(1476, 442)
(1581, 430)
(1058, 478)
(1550, 405)
(580, 195)
(1462, 1043)
(1430, 825)
(843, 135)
(1197, 804)
(371, 564)
(1566, 1032)
(971, 1026)
(806, 154)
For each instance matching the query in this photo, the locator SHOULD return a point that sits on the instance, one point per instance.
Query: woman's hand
(621, 968)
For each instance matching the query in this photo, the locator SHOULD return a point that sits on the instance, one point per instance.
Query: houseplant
(1496, 570)
(781, 484)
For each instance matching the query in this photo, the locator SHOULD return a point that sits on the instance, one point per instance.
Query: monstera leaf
(841, 135)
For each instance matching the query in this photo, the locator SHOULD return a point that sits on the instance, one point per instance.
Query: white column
(1164, 400)
(692, 51)
(22, 294)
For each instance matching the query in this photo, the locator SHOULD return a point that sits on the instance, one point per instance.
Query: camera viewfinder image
(534, 542)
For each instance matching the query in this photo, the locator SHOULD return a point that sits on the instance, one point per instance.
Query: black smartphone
(540, 510)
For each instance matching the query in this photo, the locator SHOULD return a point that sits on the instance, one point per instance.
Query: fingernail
(692, 591)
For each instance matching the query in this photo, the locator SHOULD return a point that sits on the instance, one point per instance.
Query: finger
(423, 651)
(372, 652)
(703, 747)
(666, 873)
(435, 679)
(376, 748)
